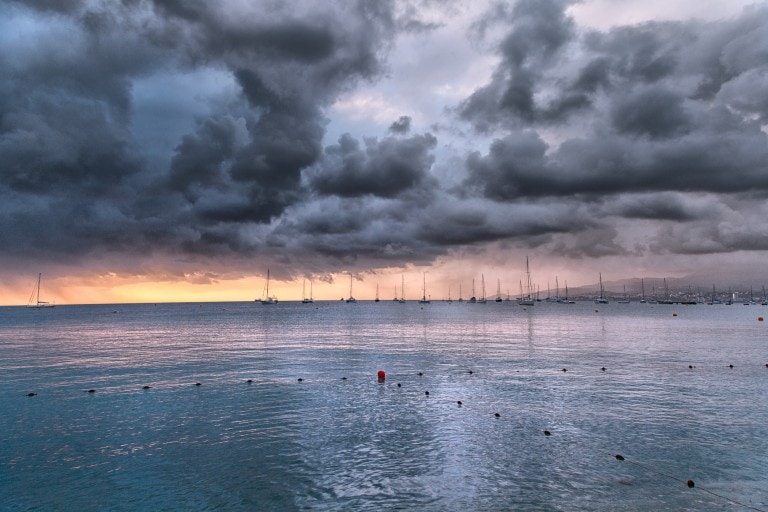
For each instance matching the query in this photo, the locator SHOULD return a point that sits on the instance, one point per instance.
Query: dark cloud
(383, 168)
(654, 123)
(66, 119)
(401, 126)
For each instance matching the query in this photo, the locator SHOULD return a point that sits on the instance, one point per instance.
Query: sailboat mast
(39, 276)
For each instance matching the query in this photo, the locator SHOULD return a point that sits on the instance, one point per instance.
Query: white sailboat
(34, 298)
(498, 291)
(266, 297)
(424, 299)
(402, 290)
(482, 299)
(625, 298)
(305, 299)
(351, 298)
(528, 299)
(601, 297)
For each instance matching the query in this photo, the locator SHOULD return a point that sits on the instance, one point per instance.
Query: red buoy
(382, 375)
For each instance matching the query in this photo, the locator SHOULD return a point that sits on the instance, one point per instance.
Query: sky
(175, 150)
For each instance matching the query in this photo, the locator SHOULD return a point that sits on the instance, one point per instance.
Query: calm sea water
(340, 440)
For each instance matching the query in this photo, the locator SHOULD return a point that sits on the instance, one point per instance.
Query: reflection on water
(338, 439)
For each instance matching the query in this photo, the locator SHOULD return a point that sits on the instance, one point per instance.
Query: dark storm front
(484, 407)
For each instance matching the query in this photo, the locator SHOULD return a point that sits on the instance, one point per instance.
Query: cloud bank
(197, 132)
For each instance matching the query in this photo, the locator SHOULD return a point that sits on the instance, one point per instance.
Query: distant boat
(402, 290)
(625, 297)
(305, 299)
(714, 300)
(266, 297)
(566, 300)
(482, 300)
(473, 298)
(527, 300)
(601, 297)
(377, 293)
(351, 298)
(424, 299)
(498, 291)
(34, 298)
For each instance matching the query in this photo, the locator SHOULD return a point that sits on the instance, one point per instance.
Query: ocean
(555, 407)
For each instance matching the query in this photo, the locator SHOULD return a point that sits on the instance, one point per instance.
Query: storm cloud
(202, 131)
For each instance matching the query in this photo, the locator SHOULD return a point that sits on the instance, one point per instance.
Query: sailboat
(266, 297)
(460, 297)
(304, 298)
(625, 298)
(351, 298)
(528, 299)
(424, 299)
(601, 298)
(566, 300)
(498, 291)
(402, 290)
(377, 293)
(482, 300)
(473, 298)
(450, 300)
(34, 298)
(715, 300)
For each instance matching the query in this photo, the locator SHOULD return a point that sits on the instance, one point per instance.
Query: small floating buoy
(381, 375)
(691, 484)
(730, 366)
(91, 391)
(458, 402)
(426, 393)
(603, 368)
(31, 394)
(399, 385)
(147, 387)
(759, 319)
(596, 311)
(198, 384)
(674, 314)
(470, 372)
(619, 457)
(690, 367)
(420, 374)
(249, 381)
(547, 433)
(565, 369)
(343, 378)
(300, 379)
(497, 415)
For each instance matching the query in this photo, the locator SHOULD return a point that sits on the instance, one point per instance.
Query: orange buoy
(382, 375)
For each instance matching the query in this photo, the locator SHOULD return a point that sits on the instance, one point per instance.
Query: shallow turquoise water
(328, 443)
